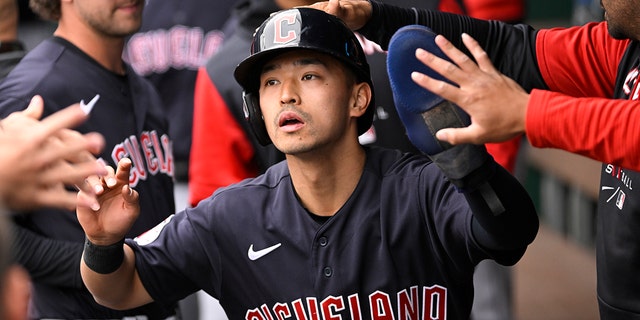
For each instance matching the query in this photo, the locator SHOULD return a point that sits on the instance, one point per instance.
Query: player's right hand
(118, 206)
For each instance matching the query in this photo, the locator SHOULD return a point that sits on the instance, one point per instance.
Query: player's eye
(309, 76)
(270, 82)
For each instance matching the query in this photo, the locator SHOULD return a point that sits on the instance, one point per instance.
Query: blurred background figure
(11, 49)
(175, 39)
(586, 11)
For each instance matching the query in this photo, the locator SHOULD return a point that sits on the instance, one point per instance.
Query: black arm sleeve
(49, 261)
(506, 234)
(511, 48)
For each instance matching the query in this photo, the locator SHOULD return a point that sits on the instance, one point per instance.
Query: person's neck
(324, 182)
(107, 51)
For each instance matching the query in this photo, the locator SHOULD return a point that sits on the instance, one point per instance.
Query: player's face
(623, 18)
(306, 99)
(114, 18)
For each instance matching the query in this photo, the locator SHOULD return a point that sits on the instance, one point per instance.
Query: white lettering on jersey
(630, 86)
(180, 48)
(150, 154)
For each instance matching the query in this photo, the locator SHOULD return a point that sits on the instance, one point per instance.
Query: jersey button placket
(326, 271)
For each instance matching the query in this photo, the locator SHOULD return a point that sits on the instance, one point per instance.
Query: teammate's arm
(504, 235)
(108, 266)
(49, 261)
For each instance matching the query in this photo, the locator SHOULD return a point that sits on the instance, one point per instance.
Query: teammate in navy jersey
(574, 89)
(175, 39)
(335, 230)
(81, 61)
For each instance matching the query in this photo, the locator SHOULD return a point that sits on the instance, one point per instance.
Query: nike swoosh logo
(87, 107)
(255, 255)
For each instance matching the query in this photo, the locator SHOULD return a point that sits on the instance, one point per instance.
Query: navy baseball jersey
(401, 246)
(175, 39)
(129, 116)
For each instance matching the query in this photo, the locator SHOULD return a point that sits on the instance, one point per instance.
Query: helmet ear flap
(253, 114)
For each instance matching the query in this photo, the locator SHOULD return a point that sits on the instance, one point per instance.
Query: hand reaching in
(117, 209)
(42, 160)
(354, 13)
(497, 104)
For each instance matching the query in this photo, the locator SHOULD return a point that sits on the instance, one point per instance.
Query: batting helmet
(300, 28)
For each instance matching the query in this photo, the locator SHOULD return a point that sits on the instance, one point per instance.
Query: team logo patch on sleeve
(152, 234)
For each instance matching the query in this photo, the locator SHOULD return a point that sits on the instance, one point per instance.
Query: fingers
(123, 171)
(86, 200)
(71, 146)
(481, 56)
(68, 117)
(35, 108)
(333, 7)
(456, 136)
(131, 196)
(445, 68)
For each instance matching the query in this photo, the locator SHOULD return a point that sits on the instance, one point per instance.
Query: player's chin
(292, 144)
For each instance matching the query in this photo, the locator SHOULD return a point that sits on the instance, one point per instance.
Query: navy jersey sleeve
(170, 258)
(465, 223)
(448, 219)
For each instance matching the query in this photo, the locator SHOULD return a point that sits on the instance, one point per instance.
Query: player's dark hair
(46, 9)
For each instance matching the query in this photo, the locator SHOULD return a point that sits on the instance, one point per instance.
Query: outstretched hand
(354, 13)
(107, 222)
(42, 159)
(497, 104)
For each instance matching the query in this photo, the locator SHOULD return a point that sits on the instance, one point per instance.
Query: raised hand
(497, 104)
(42, 160)
(354, 13)
(117, 209)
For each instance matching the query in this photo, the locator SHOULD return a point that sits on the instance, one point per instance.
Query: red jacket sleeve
(583, 62)
(221, 154)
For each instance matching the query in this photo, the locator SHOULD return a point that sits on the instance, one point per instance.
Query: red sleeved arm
(582, 62)
(579, 61)
(599, 128)
(221, 154)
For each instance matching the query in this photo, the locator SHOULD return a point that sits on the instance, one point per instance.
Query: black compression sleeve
(505, 236)
(48, 261)
(511, 48)
(387, 19)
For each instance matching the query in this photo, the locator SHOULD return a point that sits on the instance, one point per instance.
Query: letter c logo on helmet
(300, 28)
(285, 29)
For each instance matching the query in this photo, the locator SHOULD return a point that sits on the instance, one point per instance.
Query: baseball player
(83, 61)
(558, 85)
(337, 230)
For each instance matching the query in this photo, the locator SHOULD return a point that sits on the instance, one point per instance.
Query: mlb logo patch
(620, 199)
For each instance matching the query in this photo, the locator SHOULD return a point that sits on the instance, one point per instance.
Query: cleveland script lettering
(150, 154)
(430, 305)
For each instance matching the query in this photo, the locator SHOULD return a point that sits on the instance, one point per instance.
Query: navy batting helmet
(300, 28)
